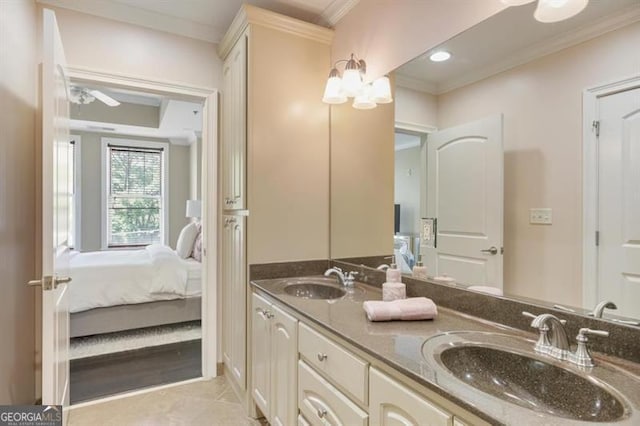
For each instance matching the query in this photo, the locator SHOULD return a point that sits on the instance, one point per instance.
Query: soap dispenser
(419, 270)
(393, 289)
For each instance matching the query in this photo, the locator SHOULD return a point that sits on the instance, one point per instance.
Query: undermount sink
(314, 290)
(531, 383)
(493, 368)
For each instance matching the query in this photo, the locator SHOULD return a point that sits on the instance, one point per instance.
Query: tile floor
(202, 403)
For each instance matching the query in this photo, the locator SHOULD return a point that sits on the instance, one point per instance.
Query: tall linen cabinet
(274, 163)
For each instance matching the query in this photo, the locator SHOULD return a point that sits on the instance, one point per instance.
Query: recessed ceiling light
(440, 56)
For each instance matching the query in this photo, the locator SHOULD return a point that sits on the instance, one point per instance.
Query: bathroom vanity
(455, 370)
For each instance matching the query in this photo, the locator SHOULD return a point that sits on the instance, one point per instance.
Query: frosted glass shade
(351, 82)
(364, 99)
(194, 208)
(382, 90)
(333, 91)
(558, 10)
(516, 2)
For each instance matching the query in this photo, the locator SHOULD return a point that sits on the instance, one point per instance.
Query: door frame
(209, 188)
(590, 181)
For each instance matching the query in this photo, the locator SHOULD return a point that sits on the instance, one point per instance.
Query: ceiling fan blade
(108, 100)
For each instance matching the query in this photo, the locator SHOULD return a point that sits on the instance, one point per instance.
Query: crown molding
(335, 12)
(252, 15)
(415, 84)
(571, 38)
(140, 17)
(414, 128)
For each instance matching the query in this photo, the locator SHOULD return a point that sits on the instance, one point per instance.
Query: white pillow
(187, 237)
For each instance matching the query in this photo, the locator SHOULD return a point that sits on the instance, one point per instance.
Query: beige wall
(407, 186)
(18, 43)
(111, 46)
(125, 113)
(91, 187)
(415, 107)
(542, 106)
(388, 33)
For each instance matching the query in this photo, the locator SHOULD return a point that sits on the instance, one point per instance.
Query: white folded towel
(412, 309)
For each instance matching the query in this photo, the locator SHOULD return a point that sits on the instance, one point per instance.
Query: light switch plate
(540, 216)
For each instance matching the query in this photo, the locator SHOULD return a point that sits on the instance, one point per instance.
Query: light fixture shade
(333, 91)
(364, 99)
(352, 78)
(194, 208)
(558, 10)
(382, 90)
(516, 2)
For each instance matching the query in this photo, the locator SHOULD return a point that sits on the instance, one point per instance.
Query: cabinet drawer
(343, 368)
(393, 403)
(320, 403)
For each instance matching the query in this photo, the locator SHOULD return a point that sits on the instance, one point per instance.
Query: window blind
(135, 210)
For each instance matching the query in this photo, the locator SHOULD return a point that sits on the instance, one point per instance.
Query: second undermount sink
(500, 368)
(314, 289)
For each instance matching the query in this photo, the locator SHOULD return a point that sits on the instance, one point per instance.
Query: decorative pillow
(187, 237)
(197, 248)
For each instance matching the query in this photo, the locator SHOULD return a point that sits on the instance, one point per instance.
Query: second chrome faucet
(553, 339)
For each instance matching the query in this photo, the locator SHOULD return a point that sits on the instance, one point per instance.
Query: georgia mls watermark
(30, 415)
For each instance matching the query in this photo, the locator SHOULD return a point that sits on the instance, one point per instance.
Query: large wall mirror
(522, 152)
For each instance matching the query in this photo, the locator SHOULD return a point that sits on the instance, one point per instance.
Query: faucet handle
(350, 278)
(532, 316)
(582, 357)
(582, 334)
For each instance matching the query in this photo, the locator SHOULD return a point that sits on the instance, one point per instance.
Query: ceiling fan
(82, 96)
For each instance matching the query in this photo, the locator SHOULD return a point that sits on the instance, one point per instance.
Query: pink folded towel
(412, 309)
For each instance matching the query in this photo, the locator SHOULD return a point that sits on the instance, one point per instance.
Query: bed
(124, 289)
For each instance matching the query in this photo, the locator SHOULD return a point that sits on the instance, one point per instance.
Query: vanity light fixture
(552, 10)
(352, 85)
(440, 56)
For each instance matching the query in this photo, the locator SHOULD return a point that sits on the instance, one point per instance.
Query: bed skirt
(127, 317)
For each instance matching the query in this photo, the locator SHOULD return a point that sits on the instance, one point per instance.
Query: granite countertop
(399, 344)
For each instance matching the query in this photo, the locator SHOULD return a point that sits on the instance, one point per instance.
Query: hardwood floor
(106, 375)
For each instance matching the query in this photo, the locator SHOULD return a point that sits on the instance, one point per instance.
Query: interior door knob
(491, 250)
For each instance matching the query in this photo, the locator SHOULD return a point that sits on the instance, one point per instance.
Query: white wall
(415, 107)
(112, 46)
(18, 41)
(542, 106)
(388, 33)
(407, 188)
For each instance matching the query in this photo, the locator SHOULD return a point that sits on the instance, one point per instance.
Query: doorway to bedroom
(136, 212)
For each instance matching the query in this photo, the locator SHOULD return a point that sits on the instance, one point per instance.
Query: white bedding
(122, 277)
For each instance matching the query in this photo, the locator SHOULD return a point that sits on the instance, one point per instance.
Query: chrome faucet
(553, 337)
(346, 280)
(557, 346)
(383, 267)
(600, 307)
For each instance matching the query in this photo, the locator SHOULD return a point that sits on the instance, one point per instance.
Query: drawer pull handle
(321, 413)
(268, 314)
(322, 357)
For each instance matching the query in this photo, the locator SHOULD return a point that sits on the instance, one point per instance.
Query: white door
(619, 201)
(284, 367)
(56, 212)
(465, 193)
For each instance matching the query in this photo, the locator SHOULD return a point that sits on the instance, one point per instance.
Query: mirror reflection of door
(618, 174)
(465, 194)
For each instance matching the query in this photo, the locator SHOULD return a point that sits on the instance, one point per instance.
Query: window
(135, 190)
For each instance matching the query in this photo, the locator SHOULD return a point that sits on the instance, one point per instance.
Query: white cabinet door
(284, 367)
(235, 297)
(234, 127)
(261, 354)
(393, 404)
